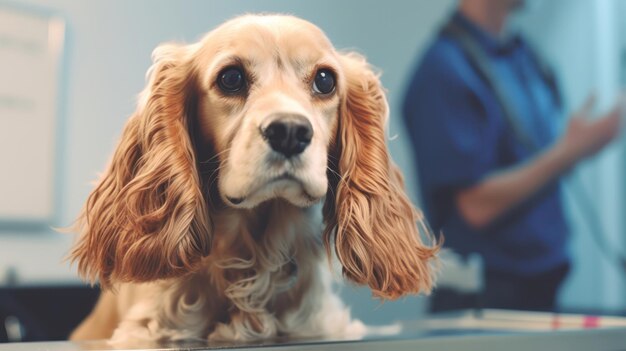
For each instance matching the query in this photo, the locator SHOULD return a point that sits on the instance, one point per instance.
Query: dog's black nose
(289, 136)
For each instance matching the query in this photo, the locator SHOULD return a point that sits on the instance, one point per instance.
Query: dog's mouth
(286, 186)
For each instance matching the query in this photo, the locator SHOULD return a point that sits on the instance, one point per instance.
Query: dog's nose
(289, 136)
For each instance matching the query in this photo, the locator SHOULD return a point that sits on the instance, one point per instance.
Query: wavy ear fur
(375, 228)
(147, 218)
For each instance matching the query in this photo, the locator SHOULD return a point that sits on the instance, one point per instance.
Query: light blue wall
(585, 40)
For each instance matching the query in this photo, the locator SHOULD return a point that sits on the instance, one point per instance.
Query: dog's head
(262, 108)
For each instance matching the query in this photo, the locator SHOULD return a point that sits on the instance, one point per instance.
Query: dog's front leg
(157, 312)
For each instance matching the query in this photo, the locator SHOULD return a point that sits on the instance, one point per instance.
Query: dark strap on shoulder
(479, 60)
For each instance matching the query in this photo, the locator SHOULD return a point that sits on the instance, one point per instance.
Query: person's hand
(585, 136)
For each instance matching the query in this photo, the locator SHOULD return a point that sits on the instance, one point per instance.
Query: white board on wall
(31, 46)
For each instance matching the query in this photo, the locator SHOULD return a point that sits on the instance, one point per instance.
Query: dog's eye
(324, 82)
(231, 80)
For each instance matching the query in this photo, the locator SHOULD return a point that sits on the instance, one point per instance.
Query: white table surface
(468, 331)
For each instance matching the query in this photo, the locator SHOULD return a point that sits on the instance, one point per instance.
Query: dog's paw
(135, 335)
(245, 327)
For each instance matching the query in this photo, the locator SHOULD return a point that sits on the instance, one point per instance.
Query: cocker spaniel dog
(209, 221)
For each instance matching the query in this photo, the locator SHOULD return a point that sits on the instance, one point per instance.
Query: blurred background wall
(108, 52)
(584, 41)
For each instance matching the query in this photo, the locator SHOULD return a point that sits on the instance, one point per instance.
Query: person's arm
(497, 193)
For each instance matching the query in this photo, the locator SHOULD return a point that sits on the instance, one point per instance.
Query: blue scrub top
(461, 135)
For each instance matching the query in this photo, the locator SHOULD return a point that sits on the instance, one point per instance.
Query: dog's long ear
(147, 218)
(375, 228)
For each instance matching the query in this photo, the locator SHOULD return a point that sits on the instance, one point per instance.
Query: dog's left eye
(231, 80)
(324, 82)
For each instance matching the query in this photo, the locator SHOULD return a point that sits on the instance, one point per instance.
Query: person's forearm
(481, 204)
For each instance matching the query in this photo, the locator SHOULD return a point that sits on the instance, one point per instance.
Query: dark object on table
(35, 313)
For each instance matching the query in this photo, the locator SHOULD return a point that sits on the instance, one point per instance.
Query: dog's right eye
(231, 80)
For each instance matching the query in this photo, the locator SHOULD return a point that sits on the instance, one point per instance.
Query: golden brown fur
(178, 258)
(374, 224)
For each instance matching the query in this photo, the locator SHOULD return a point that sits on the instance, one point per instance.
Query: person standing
(482, 111)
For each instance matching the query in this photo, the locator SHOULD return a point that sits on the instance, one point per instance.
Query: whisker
(213, 177)
(340, 179)
(216, 155)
